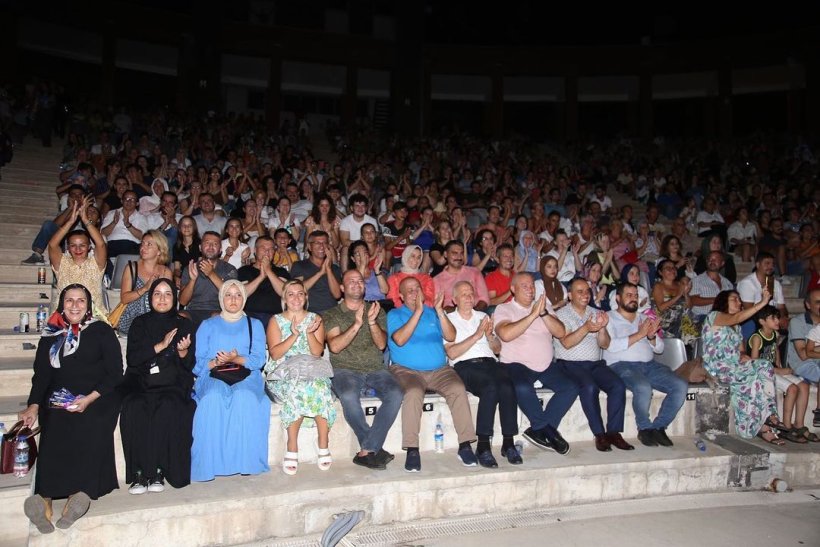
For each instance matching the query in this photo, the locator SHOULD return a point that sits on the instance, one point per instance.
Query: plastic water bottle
(42, 317)
(21, 457)
(2, 429)
(700, 444)
(439, 436)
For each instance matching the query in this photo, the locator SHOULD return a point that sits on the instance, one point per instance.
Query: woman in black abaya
(82, 355)
(157, 411)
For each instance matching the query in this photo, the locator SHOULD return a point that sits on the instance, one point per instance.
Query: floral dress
(751, 383)
(676, 322)
(299, 398)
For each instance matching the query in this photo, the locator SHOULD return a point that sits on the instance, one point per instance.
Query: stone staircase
(27, 197)
(234, 510)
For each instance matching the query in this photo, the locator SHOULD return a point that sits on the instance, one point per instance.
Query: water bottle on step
(439, 435)
(21, 457)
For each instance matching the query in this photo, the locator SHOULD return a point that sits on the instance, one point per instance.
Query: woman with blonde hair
(306, 398)
(152, 265)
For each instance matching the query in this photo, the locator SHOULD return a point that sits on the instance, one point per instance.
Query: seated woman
(632, 274)
(411, 260)
(751, 381)
(671, 250)
(157, 410)
(597, 290)
(484, 257)
(548, 284)
(80, 354)
(235, 249)
(152, 265)
(375, 284)
(186, 247)
(528, 253)
(297, 331)
(231, 421)
(79, 266)
(671, 298)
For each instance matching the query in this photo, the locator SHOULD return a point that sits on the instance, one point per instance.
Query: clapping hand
(224, 357)
(540, 305)
(597, 321)
(184, 343)
(315, 324)
(438, 303)
(168, 338)
(193, 270)
(373, 312)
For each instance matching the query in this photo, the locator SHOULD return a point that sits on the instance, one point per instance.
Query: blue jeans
(592, 378)
(348, 386)
(47, 230)
(564, 389)
(641, 378)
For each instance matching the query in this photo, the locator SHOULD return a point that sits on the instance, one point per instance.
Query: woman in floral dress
(297, 331)
(750, 381)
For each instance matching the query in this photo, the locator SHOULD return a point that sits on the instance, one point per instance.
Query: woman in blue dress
(231, 421)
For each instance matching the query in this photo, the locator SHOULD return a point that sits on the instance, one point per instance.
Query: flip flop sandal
(808, 435)
(76, 507)
(794, 436)
(36, 510)
(290, 465)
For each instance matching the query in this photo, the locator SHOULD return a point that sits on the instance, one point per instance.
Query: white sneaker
(138, 488)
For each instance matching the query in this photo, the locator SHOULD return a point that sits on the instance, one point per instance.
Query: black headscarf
(150, 329)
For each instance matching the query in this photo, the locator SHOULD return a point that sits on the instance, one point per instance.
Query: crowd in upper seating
(449, 263)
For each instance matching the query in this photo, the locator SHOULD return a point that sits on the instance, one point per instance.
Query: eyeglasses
(129, 200)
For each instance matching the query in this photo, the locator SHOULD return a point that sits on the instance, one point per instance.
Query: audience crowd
(446, 264)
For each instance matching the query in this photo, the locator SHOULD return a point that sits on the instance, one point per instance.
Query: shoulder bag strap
(250, 334)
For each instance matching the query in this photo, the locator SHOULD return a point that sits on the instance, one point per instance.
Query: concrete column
(645, 109)
(571, 106)
(348, 113)
(725, 102)
(109, 60)
(273, 95)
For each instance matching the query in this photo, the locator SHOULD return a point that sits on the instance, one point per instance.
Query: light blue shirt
(620, 329)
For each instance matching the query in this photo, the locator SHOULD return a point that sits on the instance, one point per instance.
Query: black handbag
(231, 373)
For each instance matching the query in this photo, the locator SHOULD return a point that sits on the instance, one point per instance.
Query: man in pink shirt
(526, 328)
(456, 271)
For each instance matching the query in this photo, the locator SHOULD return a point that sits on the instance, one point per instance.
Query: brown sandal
(795, 436)
(808, 435)
(771, 437)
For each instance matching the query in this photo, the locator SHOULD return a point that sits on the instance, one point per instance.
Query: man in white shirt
(632, 348)
(750, 289)
(706, 286)
(472, 355)
(579, 352)
(709, 219)
(123, 228)
(350, 229)
(602, 199)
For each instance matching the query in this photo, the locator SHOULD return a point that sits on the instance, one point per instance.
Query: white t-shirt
(703, 216)
(740, 232)
(466, 328)
(236, 258)
(604, 202)
(750, 291)
(567, 270)
(120, 232)
(354, 228)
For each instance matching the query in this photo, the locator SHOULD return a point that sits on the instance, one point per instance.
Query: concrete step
(274, 506)
(15, 377)
(28, 218)
(10, 313)
(19, 273)
(12, 246)
(19, 230)
(13, 344)
(25, 292)
(14, 526)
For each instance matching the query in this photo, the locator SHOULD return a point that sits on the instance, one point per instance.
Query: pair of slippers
(39, 512)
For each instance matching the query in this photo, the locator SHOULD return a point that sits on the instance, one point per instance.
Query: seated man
(76, 193)
(630, 354)
(263, 282)
(526, 328)
(320, 275)
(356, 336)
(202, 279)
(580, 354)
(456, 271)
(419, 363)
(123, 228)
(802, 358)
(472, 354)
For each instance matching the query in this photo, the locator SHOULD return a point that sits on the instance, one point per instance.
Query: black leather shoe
(602, 443)
(537, 438)
(555, 440)
(660, 437)
(617, 440)
(369, 460)
(384, 456)
(647, 437)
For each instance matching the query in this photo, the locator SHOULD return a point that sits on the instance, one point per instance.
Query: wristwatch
(546, 313)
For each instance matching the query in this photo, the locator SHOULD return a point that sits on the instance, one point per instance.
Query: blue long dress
(231, 422)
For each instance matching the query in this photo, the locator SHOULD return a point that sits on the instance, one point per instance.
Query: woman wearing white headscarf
(411, 260)
(231, 421)
(150, 204)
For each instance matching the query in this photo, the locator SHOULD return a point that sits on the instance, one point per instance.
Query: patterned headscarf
(66, 335)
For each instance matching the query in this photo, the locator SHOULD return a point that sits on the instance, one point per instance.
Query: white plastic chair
(674, 353)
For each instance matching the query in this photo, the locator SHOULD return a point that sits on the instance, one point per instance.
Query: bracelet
(371, 324)
(546, 313)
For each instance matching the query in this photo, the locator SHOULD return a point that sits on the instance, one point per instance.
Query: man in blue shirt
(415, 336)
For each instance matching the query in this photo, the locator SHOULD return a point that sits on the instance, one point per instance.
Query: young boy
(762, 344)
